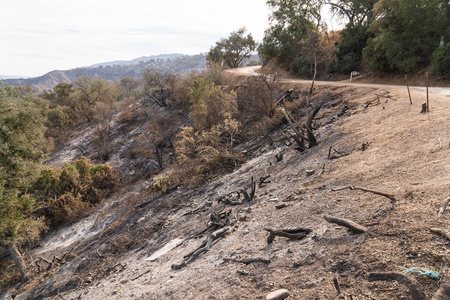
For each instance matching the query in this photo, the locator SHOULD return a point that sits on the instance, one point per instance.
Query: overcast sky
(37, 36)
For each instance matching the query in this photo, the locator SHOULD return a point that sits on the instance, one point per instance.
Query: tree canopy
(233, 50)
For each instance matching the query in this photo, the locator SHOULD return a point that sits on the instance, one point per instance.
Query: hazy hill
(139, 59)
(112, 71)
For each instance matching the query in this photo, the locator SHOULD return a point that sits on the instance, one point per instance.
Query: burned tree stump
(352, 226)
(413, 285)
(293, 234)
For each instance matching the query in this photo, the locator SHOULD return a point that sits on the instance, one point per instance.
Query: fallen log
(352, 187)
(207, 245)
(248, 261)
(444, 205)
(413, 285)
(293, 234)
(352, 226)
(443, 293)
(441, 231)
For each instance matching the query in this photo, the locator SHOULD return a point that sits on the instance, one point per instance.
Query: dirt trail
(389, 147)
(253, 71)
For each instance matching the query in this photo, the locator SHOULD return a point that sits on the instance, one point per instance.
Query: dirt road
(253, 71)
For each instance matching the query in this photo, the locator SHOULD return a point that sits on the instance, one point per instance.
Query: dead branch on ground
(352, 187)
(354, 227)
(412, 284)
(443, 293)
(442, 232)
(287, 96)
(377, 99)
(203, 248)
(263, 182)
(444, 205)
(247, 261)
(337, 155)
(293, 234)
(51, 262)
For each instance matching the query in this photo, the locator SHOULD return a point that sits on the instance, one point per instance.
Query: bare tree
(158, 87)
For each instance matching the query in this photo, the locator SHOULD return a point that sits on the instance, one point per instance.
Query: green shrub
(301, 67)
(440, 65)
(66, 194)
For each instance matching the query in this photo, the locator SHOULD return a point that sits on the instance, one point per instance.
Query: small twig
(242, 273)
(336, 285)
(412, 284)
(247, 261)
(442, 232)
(354, 227)
(444, 205)
(139, 276)
(98, 252)
(293, 234)
(352, 187)
(262, 180)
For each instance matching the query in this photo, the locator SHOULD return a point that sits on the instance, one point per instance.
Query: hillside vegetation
(153, 183)
(173, 183)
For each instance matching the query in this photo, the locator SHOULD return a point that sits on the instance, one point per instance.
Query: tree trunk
(315, 72)
(20, 262)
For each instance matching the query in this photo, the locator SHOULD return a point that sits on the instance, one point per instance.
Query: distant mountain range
(115, 70)
(2, 77)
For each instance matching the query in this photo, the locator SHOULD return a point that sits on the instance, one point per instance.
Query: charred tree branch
(214, 236)
(352, 187)
(247, 261)
(293, 234)
(354, 227)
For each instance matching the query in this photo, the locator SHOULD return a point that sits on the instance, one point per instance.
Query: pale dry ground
(408, 155)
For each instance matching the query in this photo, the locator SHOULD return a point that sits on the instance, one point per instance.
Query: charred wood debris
(221, 223)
